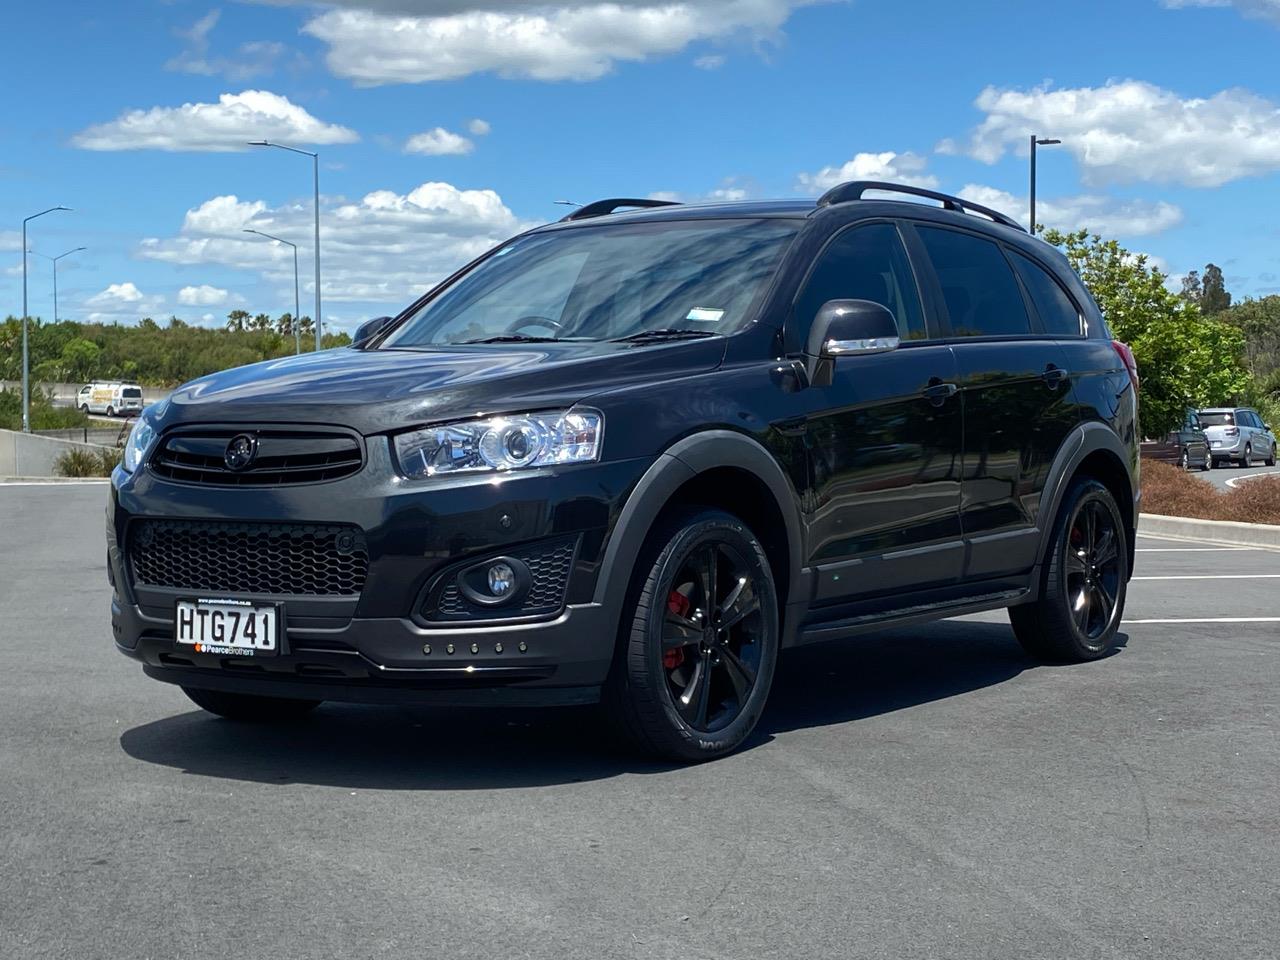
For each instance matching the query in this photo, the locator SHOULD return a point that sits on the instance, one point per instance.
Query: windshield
(607, 282)
(1217, 419)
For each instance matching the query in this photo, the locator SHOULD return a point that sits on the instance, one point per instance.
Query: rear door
(1017, 397)
(884, 439)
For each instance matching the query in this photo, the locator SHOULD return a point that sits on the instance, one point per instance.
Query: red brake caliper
(678, 604)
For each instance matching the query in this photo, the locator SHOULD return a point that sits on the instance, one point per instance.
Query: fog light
(502, 579)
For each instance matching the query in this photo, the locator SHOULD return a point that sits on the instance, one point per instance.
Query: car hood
(379, 390)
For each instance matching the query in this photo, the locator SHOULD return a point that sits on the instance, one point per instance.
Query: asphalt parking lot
(927, 792)
(1229, 475)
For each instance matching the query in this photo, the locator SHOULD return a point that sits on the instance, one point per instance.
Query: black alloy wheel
(1084, 581)
(698, 639)
(1093, 569)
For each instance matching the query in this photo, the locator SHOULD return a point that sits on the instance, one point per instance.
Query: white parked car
(1238, 434)
(111, 397)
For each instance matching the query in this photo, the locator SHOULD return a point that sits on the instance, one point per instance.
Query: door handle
(1054, 376)
(938, 392)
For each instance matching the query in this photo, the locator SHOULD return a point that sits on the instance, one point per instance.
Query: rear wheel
(1247, 460)
(1085, 575)
(248, 708)
(699, 639)
(111, 411)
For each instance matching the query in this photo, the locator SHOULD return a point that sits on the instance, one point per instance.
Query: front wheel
(248, 708)
(1271, 460)
(1185, 461)
(699, 639)
(84, 408)
(111, 411)
(1208, 461)
(1082, 590)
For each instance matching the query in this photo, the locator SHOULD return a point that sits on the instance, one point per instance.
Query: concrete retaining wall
(31, 455)
(1215, 531)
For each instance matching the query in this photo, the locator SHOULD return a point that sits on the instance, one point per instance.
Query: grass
(44, 415)
(1172, 492)
(87, 463)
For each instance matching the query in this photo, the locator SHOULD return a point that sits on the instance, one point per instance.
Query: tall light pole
(297, 329)
(54, 261)
(315, 168)
(1034, 143)
(26, 357)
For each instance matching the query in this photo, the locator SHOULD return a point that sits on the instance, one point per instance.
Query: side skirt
(816, 630)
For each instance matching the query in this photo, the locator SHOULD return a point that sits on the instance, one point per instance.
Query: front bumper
(377, 646)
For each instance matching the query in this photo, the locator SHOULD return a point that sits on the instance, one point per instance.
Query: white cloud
(120, 302)
(478, 127)
(220, 127)
(10, 240)
(1099, 214)
(1254, 9)
(438, 142)
(383, 248)
(1130, 130)
(908, 168)
(710, 61)
(203, 296)
(569, 41)
(254, 58)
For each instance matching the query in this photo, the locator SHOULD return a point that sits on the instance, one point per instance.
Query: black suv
(630, 457)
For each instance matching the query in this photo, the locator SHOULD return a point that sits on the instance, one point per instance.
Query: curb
(1213, 531)
(50, 481)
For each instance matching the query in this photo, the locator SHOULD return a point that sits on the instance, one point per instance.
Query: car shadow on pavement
(423, 748)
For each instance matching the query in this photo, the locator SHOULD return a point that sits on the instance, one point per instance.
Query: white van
(111, 397)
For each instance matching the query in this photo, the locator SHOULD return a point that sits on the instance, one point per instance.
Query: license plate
(228, 627)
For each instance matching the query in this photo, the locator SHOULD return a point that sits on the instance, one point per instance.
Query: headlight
(502, 443)
(139, 443)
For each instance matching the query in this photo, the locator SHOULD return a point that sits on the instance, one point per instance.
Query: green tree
(1184, 358)
(236, 320)
(260, 322)
(80, 358)
(1215, 298)
(284, 325)
(1192, 290)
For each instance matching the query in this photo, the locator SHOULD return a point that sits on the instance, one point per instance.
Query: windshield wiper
(668, 333)
(514, 338)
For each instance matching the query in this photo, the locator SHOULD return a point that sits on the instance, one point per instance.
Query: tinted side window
(865, 263)
(1247, 418)
(979, 288)
(1057, 311)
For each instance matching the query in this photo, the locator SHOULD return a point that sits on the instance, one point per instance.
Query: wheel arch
(718, 468)
(1092, 449)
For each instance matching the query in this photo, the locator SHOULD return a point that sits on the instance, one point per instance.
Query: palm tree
(236, 320)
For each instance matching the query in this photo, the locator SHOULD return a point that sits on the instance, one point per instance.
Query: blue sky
(446, 125)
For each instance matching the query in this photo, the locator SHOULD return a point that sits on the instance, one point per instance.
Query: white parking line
(1217, 576)
(1252, 476)
(1194, 549)
(1127, 621)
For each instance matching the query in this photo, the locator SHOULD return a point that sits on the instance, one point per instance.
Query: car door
(884, 438)
(1018, 407)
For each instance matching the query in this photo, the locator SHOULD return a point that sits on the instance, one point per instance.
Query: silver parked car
(1237, 434)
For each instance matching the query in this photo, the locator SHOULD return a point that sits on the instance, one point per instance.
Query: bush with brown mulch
(1170, 491)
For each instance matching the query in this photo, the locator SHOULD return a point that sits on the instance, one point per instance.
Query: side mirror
(847, 328)
(369, 329)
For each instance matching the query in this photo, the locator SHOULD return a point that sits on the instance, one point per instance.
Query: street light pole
(26, 356)
(54, 261)
(1034, 143)
(297, 332)
(315, 172)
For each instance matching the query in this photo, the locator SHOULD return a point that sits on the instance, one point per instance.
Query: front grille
(549, 567)
(272, 558)
(283, 457)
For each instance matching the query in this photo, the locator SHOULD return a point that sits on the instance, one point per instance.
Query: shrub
(79, 462)
(44, 415)
(1169, 491)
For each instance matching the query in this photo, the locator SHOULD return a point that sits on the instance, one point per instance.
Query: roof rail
(604, 207)
(854, 189)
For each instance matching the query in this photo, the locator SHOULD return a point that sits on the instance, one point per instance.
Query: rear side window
(1057, 311)
(865, 263)
(978, 285)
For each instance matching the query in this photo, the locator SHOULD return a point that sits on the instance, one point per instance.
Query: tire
(247, 708)
(111, 411)
(656, 695)
(1208, 461)
(1271, 460)
(1247, 460)
(1051, 629)
(84, 408)
(1185, 462)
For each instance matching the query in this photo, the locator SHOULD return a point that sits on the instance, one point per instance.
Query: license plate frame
(225, 630)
